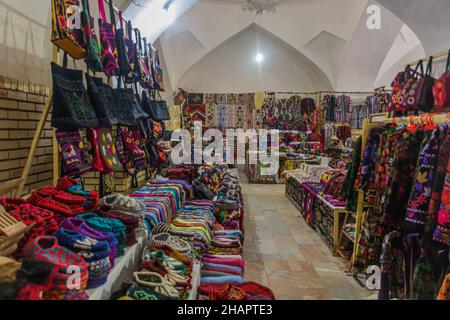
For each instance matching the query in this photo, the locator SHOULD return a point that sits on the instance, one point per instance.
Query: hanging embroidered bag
(396, 85)
(104, 102)
(72, 156)
(93, 56)
(425, 98)
(441, 90)
(72, 107)
(134, 75)
(108, 43)
(103, 140)
(158, 73)
(409, 94)
(147, 80)
(122, 55)
(66, 28)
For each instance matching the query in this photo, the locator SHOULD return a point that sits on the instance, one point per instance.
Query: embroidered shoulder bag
(108, 43)
(66, 28)
(441, 90)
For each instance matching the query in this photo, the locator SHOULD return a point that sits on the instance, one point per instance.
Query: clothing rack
(374, 121)
(435, 56)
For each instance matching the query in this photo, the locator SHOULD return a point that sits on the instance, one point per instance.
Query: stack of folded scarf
(107, 225)
(131, 223)
(226, 242)
(71, 186)
(94, 252)
(65, 264)
(196, 217)
(40, 221)
(222, 269)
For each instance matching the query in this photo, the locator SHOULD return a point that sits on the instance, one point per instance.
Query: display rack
(19, 184)
(374, 121)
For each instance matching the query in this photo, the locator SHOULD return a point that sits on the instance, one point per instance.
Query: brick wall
(21, 105)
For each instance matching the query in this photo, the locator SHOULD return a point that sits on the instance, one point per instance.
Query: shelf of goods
(320, 212)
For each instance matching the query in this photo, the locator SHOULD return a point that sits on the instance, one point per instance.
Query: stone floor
(285, 254)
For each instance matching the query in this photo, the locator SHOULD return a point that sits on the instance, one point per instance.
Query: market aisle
(284, 253)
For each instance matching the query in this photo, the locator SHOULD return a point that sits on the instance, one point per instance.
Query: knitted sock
(47, 203)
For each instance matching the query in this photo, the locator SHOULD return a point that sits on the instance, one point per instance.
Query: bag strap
(138, 38)
(429, 66)
(120, 19)
(87, 8)
(101, 10)
(112, 13)
(65, 60)
(145, 46)
(448, 62)
(130, 30)
(419, 66)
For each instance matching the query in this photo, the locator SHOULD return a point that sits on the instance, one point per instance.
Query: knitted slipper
(164, 228)
(145, 293)
(172, 241)
(156, 282)
(153, 265)
(50, 204)
(124, 204)
(77, 241)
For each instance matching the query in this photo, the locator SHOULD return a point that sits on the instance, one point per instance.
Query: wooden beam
(8, 186)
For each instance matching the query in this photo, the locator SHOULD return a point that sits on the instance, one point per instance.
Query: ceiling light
(260, 6)
(259, 58)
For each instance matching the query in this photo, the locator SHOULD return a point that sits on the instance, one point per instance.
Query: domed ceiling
(210, 45)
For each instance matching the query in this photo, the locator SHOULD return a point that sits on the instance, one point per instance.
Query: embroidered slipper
(175, 243)
(124, 204)
(156, 282)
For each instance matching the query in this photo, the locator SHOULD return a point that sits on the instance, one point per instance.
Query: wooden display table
(318, 212)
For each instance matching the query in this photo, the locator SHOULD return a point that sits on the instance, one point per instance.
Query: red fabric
(253, 290)
(50, 204)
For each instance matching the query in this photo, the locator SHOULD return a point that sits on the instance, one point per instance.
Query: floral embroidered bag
(441, 90)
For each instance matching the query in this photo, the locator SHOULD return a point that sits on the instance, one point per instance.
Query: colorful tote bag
(425, 98)
(93, 56)
(67, 31)
(72, 156)
(158, 73)
(103, 140)
(409, 94)
(72, 106)
(108, 44)
(396, 85)
(146, 77)
(104, 101)
(132, 52)
(122, 54)
(441, 90)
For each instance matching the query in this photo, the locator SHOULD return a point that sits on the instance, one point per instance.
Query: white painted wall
(232, 67)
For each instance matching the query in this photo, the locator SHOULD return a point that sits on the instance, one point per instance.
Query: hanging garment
(393, 278)
(357, 115)
(402, 172)
(421, 193)
(342, 110)
(367, 168)
(329, 105)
